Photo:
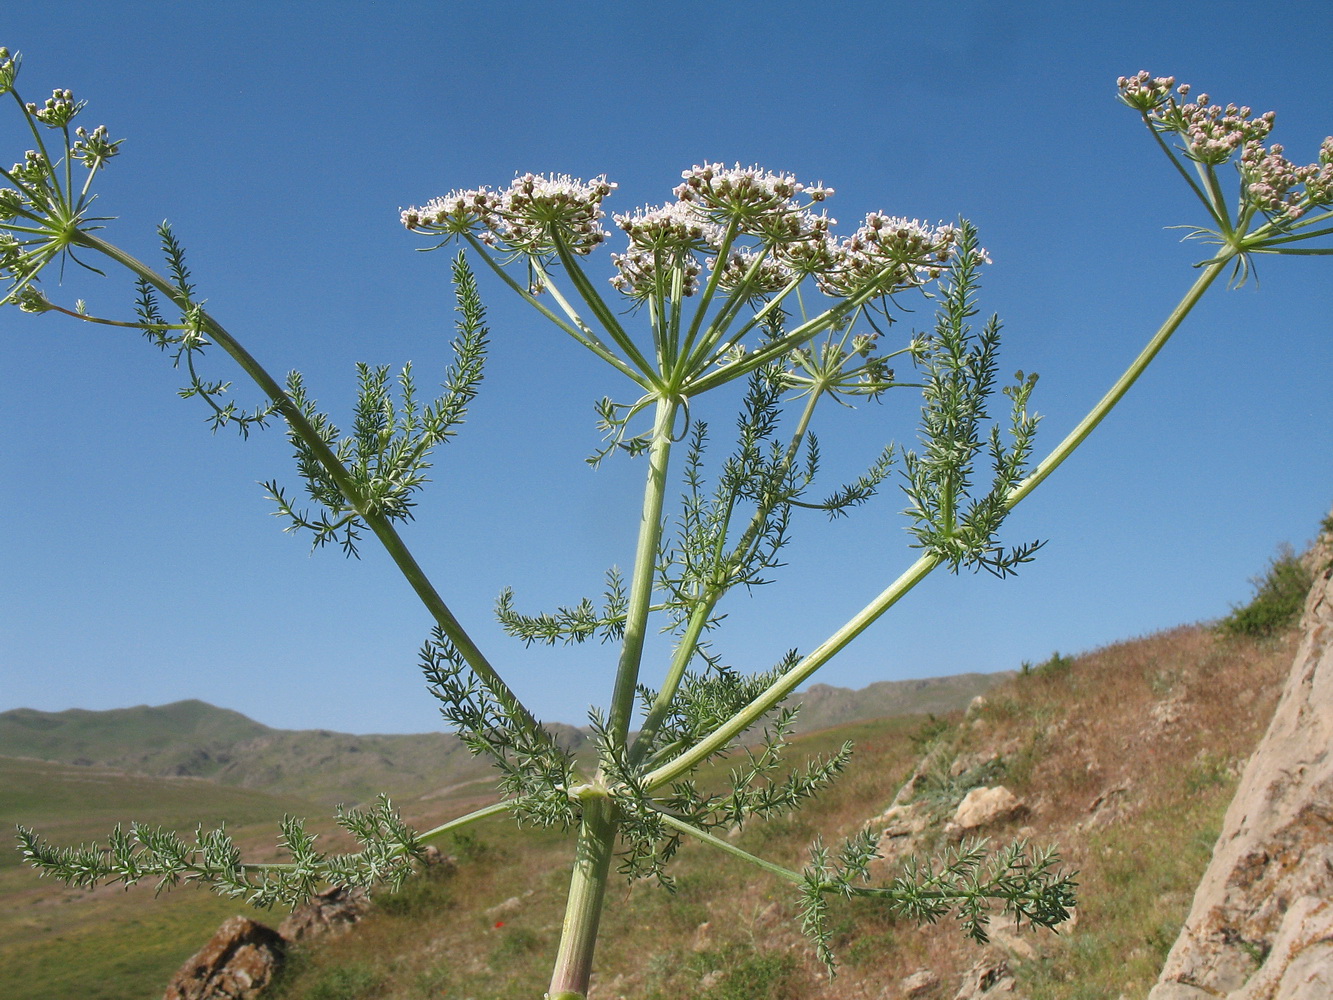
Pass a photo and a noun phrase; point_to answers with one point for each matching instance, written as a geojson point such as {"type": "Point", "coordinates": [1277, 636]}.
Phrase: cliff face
{"type": "Point", "coordinates": [1261, 926]}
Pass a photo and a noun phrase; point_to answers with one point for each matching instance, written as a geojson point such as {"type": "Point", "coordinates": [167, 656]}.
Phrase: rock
{"type": "Point", "coordinates": [511, 905]}
{"type": "Point", "coordinates": [903, 821]}
{"type": "Point", "coordinates": [1005, 935]}
{"type": "Point", "coordinates": [238, 962]}
{"type": "Point", "coordinates": [1300, 964]}
{"type": "Point", "coordinates": [989, 979]}
{"type": "Point", "coordinates": [919, 984]}
{"type": "Point", "coordinates": [703, 937]}
{"type": "Point", "coordinates": [986, 806]}
{"type": "Point", "coordinates": [901, 826]}
{"type": "Point", "coordinates": [1109, 807]}
{"type": "Point", "coordinates": [435, 858]}
{"type": "Point", "coordinates": [1261, 925]}
{"type": "Point", "coordinates": [331, 911]}
{"type": "Point", "coordinates": [1166, 714]}
{"type": "Point", "coordinates": [979, 761]}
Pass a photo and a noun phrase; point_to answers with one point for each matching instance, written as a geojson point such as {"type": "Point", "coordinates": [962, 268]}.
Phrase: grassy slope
{"type": "Point", "coordinates": [109, 944]}
{"type": "Point", "coordinates": [185, 737]}
{"type": "Point", "coordinates": [1168, 718]}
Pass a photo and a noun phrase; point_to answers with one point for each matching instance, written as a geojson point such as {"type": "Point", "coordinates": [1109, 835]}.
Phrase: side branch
{"type": "Point", "coordinates": [291, 413]}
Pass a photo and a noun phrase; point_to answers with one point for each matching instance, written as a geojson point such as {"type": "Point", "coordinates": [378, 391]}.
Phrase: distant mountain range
{"type": "Point", "coordinates": [197, 740]}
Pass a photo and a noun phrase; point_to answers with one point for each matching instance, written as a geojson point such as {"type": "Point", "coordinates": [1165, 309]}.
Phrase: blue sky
{"type": "Point", "coordinates": [281, 141]}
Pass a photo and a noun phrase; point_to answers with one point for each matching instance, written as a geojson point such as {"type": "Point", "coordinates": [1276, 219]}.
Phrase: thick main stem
{"type": "Point", "coordinates": [587, 891]}
{"type": "Point", "coordinates": [645, 569]}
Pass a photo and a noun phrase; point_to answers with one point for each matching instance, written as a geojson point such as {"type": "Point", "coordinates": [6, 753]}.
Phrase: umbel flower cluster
{"type": "Point", "coordinates": [758, 228]}
{"type": "Point", "coordinates": [1211, 134]}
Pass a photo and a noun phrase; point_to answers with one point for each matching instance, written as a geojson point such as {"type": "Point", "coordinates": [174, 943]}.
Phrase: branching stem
{"type": "Point", "coordinates": [922, 568]}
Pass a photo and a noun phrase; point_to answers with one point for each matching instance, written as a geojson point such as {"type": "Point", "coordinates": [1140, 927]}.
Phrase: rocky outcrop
{"type": "Point", "coordinates": [236, 964]}
{"type": "Point", "coordinates": [1261, 926]}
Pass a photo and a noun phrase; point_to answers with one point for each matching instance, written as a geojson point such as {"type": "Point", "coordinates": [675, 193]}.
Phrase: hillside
{"type": "Point", "coordinates": [1124, 757]}
{"type": "Point", "coordinates": [195, 739]}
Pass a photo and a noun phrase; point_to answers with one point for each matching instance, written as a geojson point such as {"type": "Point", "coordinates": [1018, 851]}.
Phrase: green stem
{"type": "Point", "coordinates": [689, 642]}
{"type": "Point", "coordinates": [583, 908]}
{"type": "Point", "coordinates": [1095, 416]}
{"type": "Point", "coordinates": [154, 327]}
{"type": "Point", "coordinates": [495, 809]}
{"type": "Point", "coordinates": [296, 420]}
{"type": "Point", "coordinates": [710, 287]}
{"type": "Point", "coordinates": [708, 601]}
{"type": "Point", "coordinates": [730, 848]}
{"type": "Point", "coordinates": [716, 340]}
{"type": "Point", "coordinates": [600, 309]}
{"type": "Point", "coordinates": [584, 336]}
{"type": "Point", "coordinates": [645, 569]}
{"type": "Point", "coordinates": [792, 679]}
{"type": "Point", "coordinates": [803, 333]}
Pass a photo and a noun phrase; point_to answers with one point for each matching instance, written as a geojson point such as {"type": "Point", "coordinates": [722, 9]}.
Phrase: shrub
{"type": "Point", "coordinates": [1278, 598]}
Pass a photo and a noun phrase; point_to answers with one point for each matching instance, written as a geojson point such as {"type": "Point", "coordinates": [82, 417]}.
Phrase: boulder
{"type": "Point", "coordinates": [987, 806]}
{"type": "Point", "coordinates": [1261, 925]}
{"type": "Point", "coordinates": [919, 984]}
{"type": "Point", "coordinates": [236, 964]}
{"type": "Point", "coordinates": [331, 911]}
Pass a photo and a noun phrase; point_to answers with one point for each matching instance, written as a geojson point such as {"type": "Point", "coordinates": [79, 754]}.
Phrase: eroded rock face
{"type": "Point", "coordinates": [1261, 927]}
{"type": "Point", "coordinates": [236, 964]}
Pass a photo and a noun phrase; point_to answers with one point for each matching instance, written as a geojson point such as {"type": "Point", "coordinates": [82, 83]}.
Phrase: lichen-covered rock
{"type": "Point", "coordinates": [1261, 926]}
{"type": "Point", "coordinates": [236, 964]}
{"type": "Point", "coordinates": [331, 911]}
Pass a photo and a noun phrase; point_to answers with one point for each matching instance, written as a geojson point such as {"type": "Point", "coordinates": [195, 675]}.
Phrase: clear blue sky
{"type": "Point", "coordinates": [139, 561]}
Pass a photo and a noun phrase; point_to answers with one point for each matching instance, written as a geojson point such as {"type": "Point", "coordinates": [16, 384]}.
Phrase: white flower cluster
{"type": "Point", "coordinates": [752, 196]}
{"type": "Point", "coordinates": [535, 212]}
{"type": "Point", "coordinates": [670, 227]}
{"type": "Point", "coordinates": [9, 67]}
{"type": "Point", "coordinates": [455, 213]}
{"type": "Point", "coordinates": [751, 270]}
{"type": "Point", "coordinates": [1145, 91]}
{"type": "Point", "coordinates": [757, 226]}
{"type": "Point", "coordinates": [889, 253]}
{"type": "Point", "coordinates": [1212, 134]}
{"type": "Point", "coordinates": [59, 109]}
